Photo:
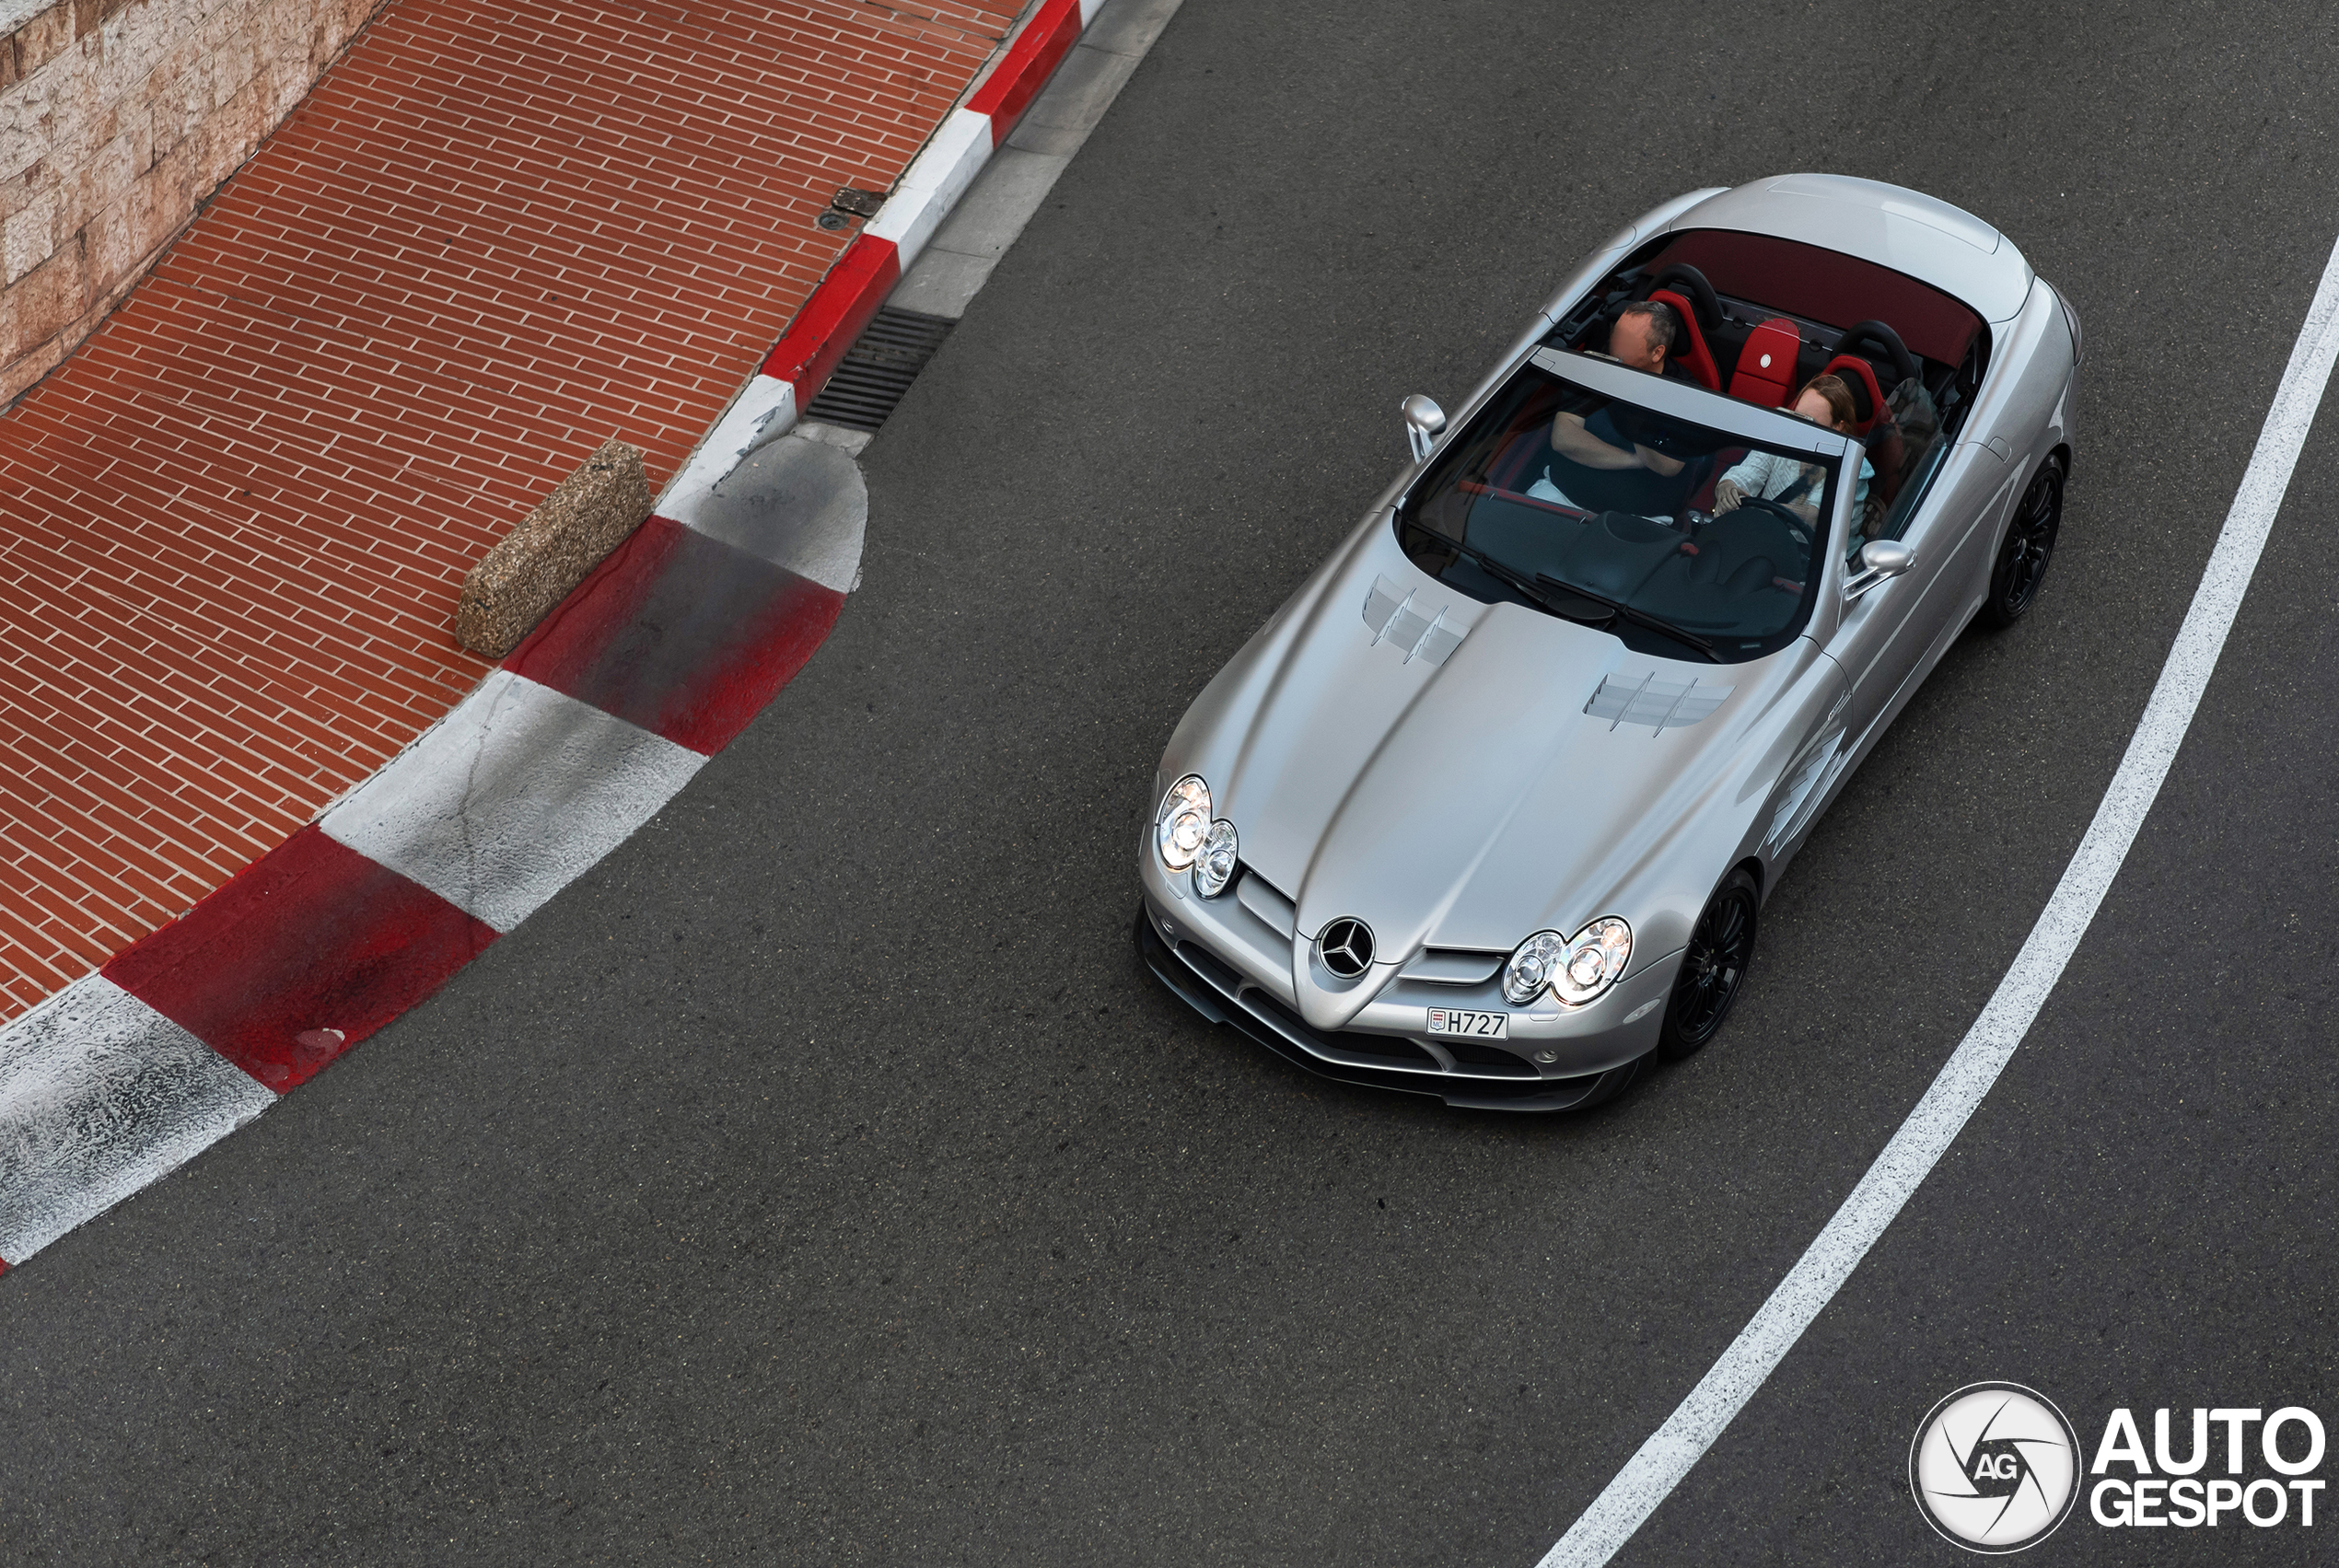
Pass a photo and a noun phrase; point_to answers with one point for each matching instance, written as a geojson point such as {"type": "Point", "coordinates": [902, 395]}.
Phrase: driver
{"type": "Point", "coordinates": [1771, 476]}
{"type": "Point", "coordinates": [1611, 461]}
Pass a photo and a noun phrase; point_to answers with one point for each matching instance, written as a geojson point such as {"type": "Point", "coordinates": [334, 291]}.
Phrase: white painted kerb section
{"type": "Point", "coordinates": [1668, 1456]}
{"type": "Point", "coordinates": [763, 412]}
{"type": "Point", "coordinates": [100, 1095]}
{"type": "Point", "coordinates": [799, 503]}
{"type": "Point", "coordinates": [515, 796]}
{"type": "Point", "coordinates": [934, 181]}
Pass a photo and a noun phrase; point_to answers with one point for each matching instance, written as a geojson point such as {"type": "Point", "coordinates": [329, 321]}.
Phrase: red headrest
{"type": "Point", "coordinates": [1694, 357]}
{"type": "Point", "coordinates": [1867, 398]}
{"type": "Point", "coordinates": [1766, 364]}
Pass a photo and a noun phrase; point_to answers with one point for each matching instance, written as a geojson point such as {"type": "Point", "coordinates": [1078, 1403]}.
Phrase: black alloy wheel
{"type": "Point", "coordinates": [2030, 545]}
{"type": "Point", "coordinates": [1713, 969]}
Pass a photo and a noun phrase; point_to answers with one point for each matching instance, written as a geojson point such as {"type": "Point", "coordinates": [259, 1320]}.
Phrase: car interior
{"type": "Point", "coordinates": [1760, 317]}
{"type": "Point", "coordinates": [1734, 584]}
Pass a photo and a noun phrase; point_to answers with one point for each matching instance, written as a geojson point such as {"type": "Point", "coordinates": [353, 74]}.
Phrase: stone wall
{"type": "Point", "coordinates": [118, 119]}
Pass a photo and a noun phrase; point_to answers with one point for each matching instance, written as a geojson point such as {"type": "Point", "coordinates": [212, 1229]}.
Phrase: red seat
{"type": "Point", "coordinates": [1695, 358]}
{"type": "Point", "coordinates": [1868, 396]}
{"type": "Point", "coordinates": [1766, 364]}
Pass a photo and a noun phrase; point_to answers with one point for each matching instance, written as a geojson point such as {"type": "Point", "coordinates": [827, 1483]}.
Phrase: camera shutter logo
{"type": "Point", "coordinates": [1995, 1468]}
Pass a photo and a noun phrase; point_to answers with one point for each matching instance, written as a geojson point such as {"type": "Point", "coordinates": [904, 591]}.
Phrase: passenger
{"type": "Point", "coordinates": [1643, 336]}
{"type": "Point", "coordinates": [1608, 462]}
{"type": "Point", "coordinates": [1767, 476]}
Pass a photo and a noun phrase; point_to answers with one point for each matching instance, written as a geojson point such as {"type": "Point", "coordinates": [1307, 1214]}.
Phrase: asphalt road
{"type": "Point", "coordinates": [821, 1180]}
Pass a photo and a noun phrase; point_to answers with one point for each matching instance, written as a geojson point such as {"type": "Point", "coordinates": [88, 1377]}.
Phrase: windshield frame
{"type": "Point", "coordinates": [1696, 404]}
{"type": "Point", "coordinates": [1683, 400]}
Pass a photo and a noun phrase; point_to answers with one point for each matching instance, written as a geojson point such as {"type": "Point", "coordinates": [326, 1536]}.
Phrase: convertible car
{"type": "Point", "coordinates": [1488, 809]}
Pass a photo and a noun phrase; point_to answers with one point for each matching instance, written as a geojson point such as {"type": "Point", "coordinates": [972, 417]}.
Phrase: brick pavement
{"type": "Point", "coordinates": [236, 522]}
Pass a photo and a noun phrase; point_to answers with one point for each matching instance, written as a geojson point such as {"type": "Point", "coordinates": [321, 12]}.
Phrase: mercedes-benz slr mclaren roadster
{"type": "Point", "coordinates": [1489, 808]}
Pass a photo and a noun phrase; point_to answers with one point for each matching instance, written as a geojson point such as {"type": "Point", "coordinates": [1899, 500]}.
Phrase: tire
{"type": "Point", "coordinates": [1721, 946]}
{"type": "Point", "coordinates": [2029, 547]}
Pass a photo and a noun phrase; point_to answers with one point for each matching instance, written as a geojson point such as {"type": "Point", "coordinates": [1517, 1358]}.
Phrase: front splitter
{"type": "Point", "coordinates": [1284, 1038]}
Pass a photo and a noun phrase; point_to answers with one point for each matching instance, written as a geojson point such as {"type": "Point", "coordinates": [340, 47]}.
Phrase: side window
{"type": "Point", "coordinates": [1906, 450]}
{"type": "Point", "coordinates": [1924, 435]}
{"type": "Point", "coordinates": [1896, 516]}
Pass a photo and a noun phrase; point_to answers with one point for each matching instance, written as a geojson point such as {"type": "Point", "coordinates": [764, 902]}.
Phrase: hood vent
{"type": "Point", "coordinates": [1262, 898]}
{"type": "Point", "coordinates": [1394, 618]}
{"type": "Point", "coordinates": [1661, 705]}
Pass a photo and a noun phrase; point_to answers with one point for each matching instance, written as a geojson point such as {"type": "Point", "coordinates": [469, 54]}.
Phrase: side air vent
{"type": "Point", "coordinates": [1660, 705]}
{"type": "Point", "coordinates": [1813, 772]}
{"type": "Point", "coordinates": [1396, 619]}
{"type": "Point", "coordinates": [878, 369]}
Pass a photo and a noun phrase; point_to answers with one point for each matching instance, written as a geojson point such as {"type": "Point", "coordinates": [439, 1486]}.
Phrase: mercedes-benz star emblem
{"type": "Point", "coordinates": [1345, 948]}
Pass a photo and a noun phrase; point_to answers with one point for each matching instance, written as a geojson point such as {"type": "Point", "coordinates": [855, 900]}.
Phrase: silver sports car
{"type": "Point", "coordinates": [1488, 809]}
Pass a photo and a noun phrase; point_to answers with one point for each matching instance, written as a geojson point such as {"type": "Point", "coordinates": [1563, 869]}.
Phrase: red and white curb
{"type": "Point", "coordinates": [653, 664]}
{"type": "Point", "coordinates": [802, 361]}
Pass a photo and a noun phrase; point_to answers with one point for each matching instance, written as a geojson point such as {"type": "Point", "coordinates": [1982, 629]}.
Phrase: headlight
{"type": "Point", "coordinates": [1596, 958]}
{"type": "Point", "coordinates": [1183, 822]}
{"type": "Point", "coordinates": [1532, 967]}
{"type": "Point", "coordinates": [1575, 970]}
{"type": "Point", "coordinates": [1215, 866]}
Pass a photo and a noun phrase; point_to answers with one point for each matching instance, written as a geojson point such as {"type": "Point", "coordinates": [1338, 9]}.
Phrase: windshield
{"type": "Point", "coordinates": [1601, 511]}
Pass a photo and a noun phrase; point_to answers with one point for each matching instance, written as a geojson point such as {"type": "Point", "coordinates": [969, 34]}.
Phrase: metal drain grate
{"type": "Point", "coordinates": [879, 368]}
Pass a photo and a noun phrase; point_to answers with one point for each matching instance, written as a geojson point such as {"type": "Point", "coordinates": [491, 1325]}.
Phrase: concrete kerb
{"type": "Point", "coordinates": [1052, 83]}
{"type": "Point", "coordinates": [100, 1095]}
{"type": "Point", "coordinates": [514, 795]}
{"type": "Point", "coordinates": [956, 261]}
{"type": "Point", "coordinates": [798, 502]}
{"type": "Point", "coordinates": [522, 787]}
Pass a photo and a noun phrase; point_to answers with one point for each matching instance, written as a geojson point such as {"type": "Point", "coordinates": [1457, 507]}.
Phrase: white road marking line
{"type": "Point", "coordinates": [1694, 1427]}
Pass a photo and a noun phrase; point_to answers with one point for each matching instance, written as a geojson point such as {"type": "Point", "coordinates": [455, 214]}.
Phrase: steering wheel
{"type": "Point", "coordinates": [1796, 522]}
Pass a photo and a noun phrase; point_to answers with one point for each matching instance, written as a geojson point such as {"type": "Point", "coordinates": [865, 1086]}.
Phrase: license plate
{"type": "Point", "coordinates": [1482, 1025]}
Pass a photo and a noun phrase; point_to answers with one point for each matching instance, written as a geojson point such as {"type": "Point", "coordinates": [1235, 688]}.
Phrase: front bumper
{"type": "Point", "coordinates": [1224, 996]}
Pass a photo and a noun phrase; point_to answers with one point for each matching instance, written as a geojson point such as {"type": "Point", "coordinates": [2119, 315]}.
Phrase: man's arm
{"type": "Point", "coordinates": [1578, 444]}
{"type": "Point", "coordinates": [1655, 461]}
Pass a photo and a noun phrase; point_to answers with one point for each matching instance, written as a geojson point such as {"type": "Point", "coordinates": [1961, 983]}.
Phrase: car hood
{"type": "Point", "coordinates": [1462, 804]}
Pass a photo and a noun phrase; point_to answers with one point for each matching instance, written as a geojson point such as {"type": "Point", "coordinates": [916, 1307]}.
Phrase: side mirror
{"type": "Point", "coordinates": [1881, 560]}
{"type": "Point", "coordinates": [1424, 422]}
